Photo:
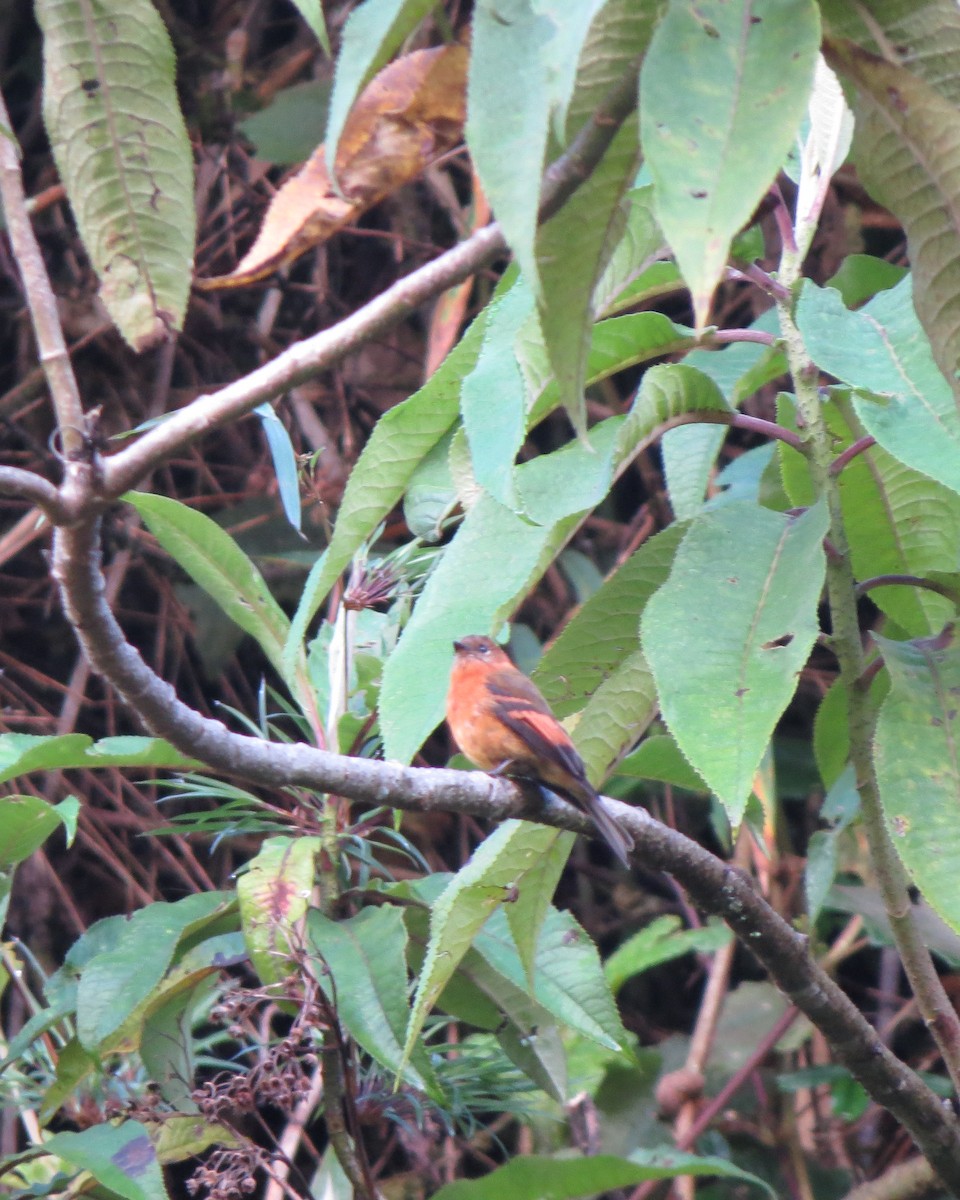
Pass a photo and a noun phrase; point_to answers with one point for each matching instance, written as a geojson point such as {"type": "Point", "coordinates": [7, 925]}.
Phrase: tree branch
{"type": "Point", "coordinates": [54, 357]}
{"type": "Point", "coordinates": [716, 886]}
{"type": "Point", "coordinates": [36, 489]}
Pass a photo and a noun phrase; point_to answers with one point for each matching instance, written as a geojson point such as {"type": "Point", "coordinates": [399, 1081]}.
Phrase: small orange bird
{"type": "Point", "coordinates": [501, 722]}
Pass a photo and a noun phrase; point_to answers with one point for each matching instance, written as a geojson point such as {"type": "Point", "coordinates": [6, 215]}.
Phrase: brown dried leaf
{"type": "Point", "coordinates": [409, 115]}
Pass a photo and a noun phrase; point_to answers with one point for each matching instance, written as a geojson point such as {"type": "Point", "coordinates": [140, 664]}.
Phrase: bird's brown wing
{"type": "Point", "coordinates": [523, 710]}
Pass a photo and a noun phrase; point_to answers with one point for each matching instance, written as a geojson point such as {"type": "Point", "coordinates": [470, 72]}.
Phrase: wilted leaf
{"type": "Point", "coordinates": [407, 117]}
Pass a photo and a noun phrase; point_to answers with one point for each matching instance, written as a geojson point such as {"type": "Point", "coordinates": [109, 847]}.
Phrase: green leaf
{"type": "Point", "coordinates": [926, 34]}
{"type": "Point", "coordinates": [497, 867]}
{"type": "Point", "coordinates": [284, 463]}
{"type": "Point", "coordinates": [25, 824]}
{"type": "Point", "coordinates": [821, 870]}
{"type": "Point", "coordinates": [728, 634]}
{"type": "Point", "coordinates": [520, 61]}
{"type": "Point", "coordinates": [616, 715]}
{"type": "Point", "coordinates": [861, 276]}
{"type": "Point", "coordinates": [568, 976]}
{"type": "Point", "coordinates": [116, 976]}
{"type": "Point", "coordinates": [494, 396]}
{"type": "Point", "coordinates": [119, 1157]}
{"type": "Point", "coordinates": [23, 753]}
{"type": "Point", "coordinates": [312, 13]}
{"type": "Point", "coordinates": [532, 1177]}
{"type": "Point", "coordinates": [659, 757]}
{"type": "Point", "coordinates": [572, 250]}
{"type": "Point", "coordinates": [287, 131]}
{"type": "Point", "coordinates": [918, 772]}
{"type": "Point", "coordinates": [689, 458]}
{"type": "Point", "coordinates": [578, 476]}
{"type": "Point", "coordinates": [121, 147]}
{"type": "Point", "coordinates": [603, 632]}
{"type": "Point", "coordinates": [882, 348]}
{"type": "Point", "coordinates": [167, 1050]}
{"type": "Point", "coordinates": [907, 150]}
{"type": "Point", "coordinates": [373, 33]}
{"type": "Point", "coordinates": [363, 969]}
{"type": "Point", "coordinates": [897, 521]}
{"type": "Point", "coordinates": [529, 903]}
{"type": "Point", "coordinates": [431, 493]}
{"type": "Point", "coordinates": [714, 145]}
{"type": "Point", "coordinates": [661, 941]}
{"type": "Point", "coordinates": [215, 562]}
{"type": "Point", "coordinates": [274, 893]}
{"type": "Point", "coordinates": [399, 442]}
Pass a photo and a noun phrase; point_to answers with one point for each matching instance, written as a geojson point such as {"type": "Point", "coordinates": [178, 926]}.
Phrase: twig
{"type": "Point", "coordinates": [851, 453]}
{"type": "Point", "coordinates": [931, 585]}
{"type": "Point", "coordinates": [54, 357]}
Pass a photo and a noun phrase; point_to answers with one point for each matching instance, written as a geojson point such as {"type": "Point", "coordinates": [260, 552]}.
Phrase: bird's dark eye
{"type": "Point", "coordinates": [484, 649]}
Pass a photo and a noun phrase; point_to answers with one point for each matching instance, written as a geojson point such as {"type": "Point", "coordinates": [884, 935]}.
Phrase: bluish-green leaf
{"type": "Point", "coordinates": [22, 753]}
{"type": "Point", "coordinates": [284, 463]}
{"type": "Point", "coordinates": [119, 1157]}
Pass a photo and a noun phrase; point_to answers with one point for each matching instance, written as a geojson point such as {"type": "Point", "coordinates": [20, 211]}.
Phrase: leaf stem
{"type": "Point", "coordinates": [939, 1014]}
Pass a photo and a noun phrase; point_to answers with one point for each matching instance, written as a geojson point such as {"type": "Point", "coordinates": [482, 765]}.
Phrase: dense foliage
{"type": "Point", "coordinates": [681, 426]}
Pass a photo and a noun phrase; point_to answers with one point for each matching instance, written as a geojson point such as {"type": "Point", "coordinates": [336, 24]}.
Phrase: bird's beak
{"type": "Point", "coordinates": [458, 646]}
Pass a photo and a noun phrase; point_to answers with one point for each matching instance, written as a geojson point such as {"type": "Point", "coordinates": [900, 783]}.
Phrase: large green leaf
{"type": "Point", "coordinates": [363, 968]}
{"type": "Point", "coordinates": [882, 348]}
{"type": "Point", "coordinates": [21, 753]}
{"type": "Point", "coordinates": [918, 769]}
{"type": "Point", "coordinates": [373, 33]}
{"type": "Point", "coordinates": [121, 147]}
{"type": "Point", "coordinates": [728, 633]}
{"type": "Point", "coordinates": [496, 867]}
{"type": "Point", "coordinates": [116, 976]}
{"type": "Point", "coordinates": [907, 149]}
{"type": "Point", "coordinates": [715, 142]}
{"type": "Point", "coordinates": [897, 521]}
{"type": "Point", "coordinates": [616, 715]}
{"type": "Point", "coordinates": [27, 821]}
{"type": "Point", "coordinates": [520, 72]}
{"type": "Point", "coordinates": [604, 631]}
{"type": "Point", "coordinates": [533, 1177]}
{"type": "Point", "coordinates": [494, 396]}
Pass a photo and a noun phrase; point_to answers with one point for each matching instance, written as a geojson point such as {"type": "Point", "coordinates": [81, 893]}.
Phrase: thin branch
{"type": "Point", "coordinates": [325, 349]}
{"type": "Point", "coordinates": [36, 489]}
{"type": "Point", "coordinates": [851, 452]}
{"type": "Point", "coordinates": [735, 420]}
{"type": "Point", "coordinates": [723, 337]}
{"type": "Point", "coordinates": [929, 585]}
{"type": "Point", "coordinates": [716, 886]}
{"type": "Point", "coordinates": [54, 357]}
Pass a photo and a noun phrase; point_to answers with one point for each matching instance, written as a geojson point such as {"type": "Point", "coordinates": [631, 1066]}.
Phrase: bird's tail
{"type": "Point", "coordinates": [612, 832]}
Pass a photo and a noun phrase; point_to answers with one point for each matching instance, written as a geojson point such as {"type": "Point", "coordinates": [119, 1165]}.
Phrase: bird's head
{"type": "Point", "coordinates": [480, 649]}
